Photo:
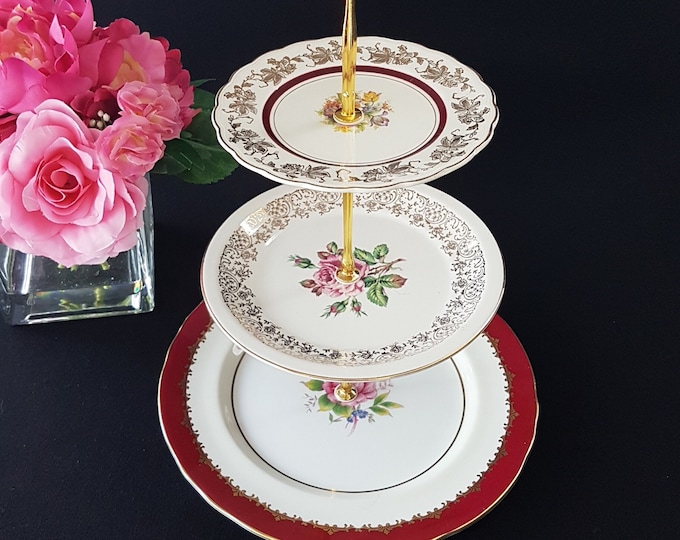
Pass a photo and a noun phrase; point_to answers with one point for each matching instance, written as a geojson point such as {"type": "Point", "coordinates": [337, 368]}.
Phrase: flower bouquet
{"type": "Point", "coordinates": [85, 114]}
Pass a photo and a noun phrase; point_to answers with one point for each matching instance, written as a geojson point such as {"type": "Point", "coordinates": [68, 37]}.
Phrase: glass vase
{"type": "Point", "coordinates": [35, 289]}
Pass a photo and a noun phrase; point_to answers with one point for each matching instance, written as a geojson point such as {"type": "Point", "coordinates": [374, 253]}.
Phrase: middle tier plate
{"type": "Point", "coordinates": [431, 278]}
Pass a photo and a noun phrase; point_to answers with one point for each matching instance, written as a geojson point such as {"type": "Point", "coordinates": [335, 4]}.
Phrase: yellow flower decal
{"type": "Point", "coordinates": [370, 97]}
{"type": "Point", "coordinates": [375, 113]}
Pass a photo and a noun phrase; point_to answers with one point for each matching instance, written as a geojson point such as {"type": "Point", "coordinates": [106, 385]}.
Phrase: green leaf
{"type": "Point", "coordinates": [203, 164]}
{"type": "Point", "coordinates": [325, 404]}
{"type": "Point", "coordinates": [364, 256]}
{"type": "Point", "coordinates": [332, 247]}
{"type": "Point", "coordinates": [380, 398]}
{"type": "Point", "coordinates": [183, 152]}
{"type": "Point", "coordinates": [380, 411]}
{"type": "Point", "coordinates": [369, 280]}
{"type": "Point", "coordinates": [342, 410]}
{"type": "Point", "coordinates": [197, 156]}
{"type": "Point", "coordinates": [314, 385]}
{"type": "Point", "coordinates": [200, 82]}
{"type": "Point", "coordinates": [376, 294]}
{"type": "Point", "coordinates": [391, 405]}
{"type": "Point", "coordinates": [380, 251]}
{"type": "Point", "coordinates": [392, 281]}
{"type": "Point", "coordinates": [168, 165]}
{"type": "Point", "coordinates": [203, 100]}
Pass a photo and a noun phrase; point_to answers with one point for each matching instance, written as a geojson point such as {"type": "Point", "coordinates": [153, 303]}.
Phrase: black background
{"type": "Point", "coordinates": [580, 187]}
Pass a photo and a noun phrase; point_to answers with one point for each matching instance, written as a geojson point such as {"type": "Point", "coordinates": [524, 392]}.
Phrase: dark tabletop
{"type": "Point", "coordinates": [580, 188]}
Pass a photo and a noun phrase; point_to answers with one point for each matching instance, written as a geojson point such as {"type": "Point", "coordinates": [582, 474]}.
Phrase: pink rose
{"type": "Point", "coordinates": [8, 125]}
{"type": "Point", "coordinates": [326, 276]}
{"type": "Point", "coordinates": [364, 390]}
{"type": "Point", "coordinates": [131, 146]}
{"type": "Point", "coordinates": [38, 55]}
{"type": "Point", "coordinates": [90, 103]}
{"type": "Point", "coordinates": [120, 53]}
{"type": "Point", "coordinates": [56, 198]}
{"type": "Point", "coordinates": [25, 35]}
{"type": "Point", "coordinates": [75, 15]}
{"type": "Point", "coordinates": [179, 81]}
{"type": "Point", "coordinates": [155, 103]}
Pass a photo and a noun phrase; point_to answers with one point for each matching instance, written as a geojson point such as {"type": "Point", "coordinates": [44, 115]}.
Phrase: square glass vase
{"type": "Point", "coordinates": [35, 289]}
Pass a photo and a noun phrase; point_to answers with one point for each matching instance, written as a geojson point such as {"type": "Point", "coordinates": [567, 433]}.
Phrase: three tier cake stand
{"type": "Point", "coordinates": [347, 372]}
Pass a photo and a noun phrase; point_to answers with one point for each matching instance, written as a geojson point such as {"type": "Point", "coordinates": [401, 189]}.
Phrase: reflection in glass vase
{"type": "Point", "coordinates": [35, 289]}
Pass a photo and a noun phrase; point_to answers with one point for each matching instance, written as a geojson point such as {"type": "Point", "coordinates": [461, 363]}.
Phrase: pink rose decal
{"type": "Point", "coordinates": [364, 390]}
{"type": "Point", "coordinates": [56, 197]}
{"type": "Point", "coordinates": [371, 401]}
{"type": "Point", "coordinates": [373, 277]}
{"type": "Point", "coordinates": [326, 277]}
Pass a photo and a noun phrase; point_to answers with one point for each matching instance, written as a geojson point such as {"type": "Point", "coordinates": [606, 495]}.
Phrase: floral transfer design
{"type": "Point", "coordinates": [351, 412]}
{"type": "Point", "coordinates": [375, 277]}
{"type": "Point", "coordinates": [375, 112]}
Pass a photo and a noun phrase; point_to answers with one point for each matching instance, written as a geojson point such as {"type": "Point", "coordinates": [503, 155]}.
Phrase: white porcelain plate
{"type": "Point", "coordinates": [424, 114]}
{"type": "Point", "coordinates": [416, 457]}
{"type": "Point", "coordinates": [431, 278]}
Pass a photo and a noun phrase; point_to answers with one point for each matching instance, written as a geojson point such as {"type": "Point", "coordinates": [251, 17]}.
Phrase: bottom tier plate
{"type": "Point", "coordinates": [421, 456]}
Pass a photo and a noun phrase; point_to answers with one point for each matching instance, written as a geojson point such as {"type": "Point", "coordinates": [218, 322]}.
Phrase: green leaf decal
{"type": "Point", "coordinates": [380, 411]}
{"type": "Point", "coordinates": [391, 405]}
{"type": "Point", "coordinates": [380, 251]}
{"type": "Point", "coordinates": [325, 404]}
{"type": "Point", "coordinates": [332, 247]}
{"type": "Point", "coordinates": [342, 410]}
{"type": "Point", "coordinates": [314, 385]}
{"type": "Point", "coordinates": [392, 281]}
{"type": "Point", "coordinates": [364, 256]}
{"type": "Point", "coordinates": [301, 262]}
{"type": "Point", "coordinates": [380, 398]}
{"type": "Point", "coordinates": [376, 294]}
{"type": "Point", "coordinates": [369, 280]}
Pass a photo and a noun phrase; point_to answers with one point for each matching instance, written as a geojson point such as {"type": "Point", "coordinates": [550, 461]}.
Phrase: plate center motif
{"type": "Point", "coordinates": [297, 119]}
{"type": "Point", "coordinates": [297, 432]}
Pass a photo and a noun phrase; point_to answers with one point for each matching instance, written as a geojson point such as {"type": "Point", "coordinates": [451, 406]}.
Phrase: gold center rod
{"type": "Point", "coordinates": [349, 63]}
{"type": "Point", "coordinates": [346, 273]}
{"type": "Point", "coordinates": [348, 115]}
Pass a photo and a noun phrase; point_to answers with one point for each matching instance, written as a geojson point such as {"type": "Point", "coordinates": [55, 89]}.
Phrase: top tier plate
{"type": "Point", "coordinates": [424, 115]}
